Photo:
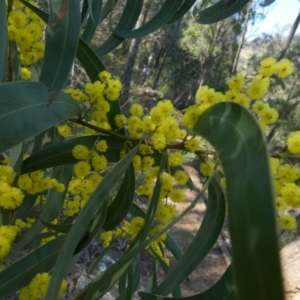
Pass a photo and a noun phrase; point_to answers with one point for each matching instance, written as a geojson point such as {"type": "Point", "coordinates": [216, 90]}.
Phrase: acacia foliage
{"type": "Point", "coordinates": [71, 189]}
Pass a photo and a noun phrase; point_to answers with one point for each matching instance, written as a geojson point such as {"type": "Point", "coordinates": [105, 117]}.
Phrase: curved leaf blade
{"type": "Point", "coordinates": [3, 42]}
{"type": "Point", "coordinates": [235, 134]}
{"type": "Point", "coordinates": [95, 8]}
{"type": "Point", "coordinates": [185, 7]}
{"type": "Point", "coordinates": [62, 35]}
{"type": "Point", "coordinates": [94, 203]}
{"type": "Point", "coordinates": [204, 240]}
{"type": "Point", "coordinates": [89, 61]}
{"type": "Point", "coordinates": [120, 206]}
{"type": "Point", "coordinates": [127, 21]}
{"type": "Point", "coordinates": [166, 12]}
{"type": "Point", "coordinates": [23, 102]}
{"type": "Point", "coordinates": [61, 153]}
{"type": "Point", "coordinates": [222, 290]}
{"type": "Point", "coordinates": [219, 11]}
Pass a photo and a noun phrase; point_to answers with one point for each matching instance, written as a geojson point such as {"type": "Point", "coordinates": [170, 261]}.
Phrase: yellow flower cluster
{"type": "Point", "coordinates": [287, 191]}
{"type": "Point", "coordinates": [7, 236]}
{"type": "Point", "coordinates": [39, 286]}
{"type": "Point", "coordinates": [293, 142]}
{"type": "Point", "coordinates": [130, 230]}
{"type": "Point", "coordinates": [26, 29]}
{"type": "Point", "coordinates": [35, 182]}
{"type": "Point", "coordinates": [10, 197]}
{"type": "Point", "coordinates": [97, 96]}
{"type": "Point", "coordinates": [257, 89]}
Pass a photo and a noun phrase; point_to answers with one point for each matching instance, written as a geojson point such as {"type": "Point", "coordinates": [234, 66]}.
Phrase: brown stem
{"type": "Point", "coordinates": [177, 146]}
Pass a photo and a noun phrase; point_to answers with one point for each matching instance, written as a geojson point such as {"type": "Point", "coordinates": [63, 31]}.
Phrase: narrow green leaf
{"type": "Point", "coordinates": [235, 134]}
{"type": "Point", "coordinates": [63, 228]}
{"type": "Point", "coordinates": [95, 8]}
{"type": "Point", "coordinates": [96, 226]}
{"type": "Point", "coordinates": [20, 273]}
{"type": "Point", "coordinates": [222, 290]}
{"type": "Point", "coordinates": [3, 42]}
{"type": "Point", "coordinates": [129, 290]}
{"type": "Point", "coordinates": [122, 283]}
{"type": "Point", "coordinates": [43, 15]}
{"type": "Point", "coordinates": [154, 274]}
{"type": "Point", "coordinates": [22, 102]}
{"type": "Point", "coordinates": [167, 269]}
{"type": "Point", "coordinates": [150, 215]}
{"type": "Point", "coordinates": [23, 210]}
{"type": "Point", "coordinates": [121, 204]}
{"type": "Point", "coordinates": [107, 9]}
{"type": "Point", "coordinates": [166, 12]}
{"type": "Point", "coordinates": [127, 21]}
{"type": "Point", "coordinates": [16, 66]}
{"type": "Point", "coordinates": [16, 159]}
{"type": "Point", "coordinates": [62, 35]}
{"type": "Point", "coordinates": [183, 233]}
{"type": "Point", "coordinates": [89, 61]}
{"type": "Point", "coordinates": [108, 278]}
{"type": "Point", "coordinates": [137, 272]}
{"type": "Point", "coordinates": [136, 211]}
{"type": "Point", "coordinates": [84, 10]}
{"type": "Point", "coordinates": [184, 8]}
{"type": "Point", "coordinates": [61, 153]}
{"type": "Point", "coordinates": [91, 8]}
{"type": "Point", "coordinates": [94, 203]}
{"type": "Point", "coordinates": [219, 11]}
{"type": "Point", "coordinates": [204, 240]}
{"type": "Point", "coordinates": [173, 246]}
{"type": "Point", "coordinates": [99, 258]}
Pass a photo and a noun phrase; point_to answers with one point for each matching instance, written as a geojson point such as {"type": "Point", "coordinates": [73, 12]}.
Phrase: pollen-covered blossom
{"type": "Point", "coordinates": [80, 152]}
{"type": "Point", "coordinates": [120, 120]}
{"type": "Point", "coordinates": [293, 142]}
{"type": "Point", "coordinates": [99, 162]}
{"type": "Point", "coordinates": [287, 173]}
{"type": "Point", "coordinates": [26, 74]}
{"type": "Point", "coordinates": [236, 82]}
{"type": "Point", "coordinates": [38, 287]}
{"type": "Point", "coordinates": [268, 115]}
{"type": "Point", "coordinates": [64, 130]}
{"type": "Point", "coordinates": [82, 169]}
{"type": "Point", "coordinates": [287, 222]}
{"type": "Point", "coordinates": [258, 87]}
{"type": "Point", "coordinates": [284, 68]}
{"type": "Point", "coordinates": [207, 168]}
{"type": "Point", "coordinates": [267, 67]}
{"type": "Point", "coordinates": [281, 205]}
{"type": "Point", "coordinates": [175, 159]}
{"type": "Point", "coordinates": [136, 110]}
{"type": "Point", "coordinates": [177, 195]}
{"type": "Point", "coordinates": [192, 144]}
{"type": "Point", "coordinates": [181, 177]}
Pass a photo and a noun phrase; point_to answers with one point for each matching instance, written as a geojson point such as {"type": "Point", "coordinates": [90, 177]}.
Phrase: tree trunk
{"type": "Point", "coordinates": [171, 44]}
{"type": "Point", "coordinates": [132, 54]}
{"type": "Point", "coordinates": [289, 39]}
{"type": "Point", "coordinates": [241, 44]}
